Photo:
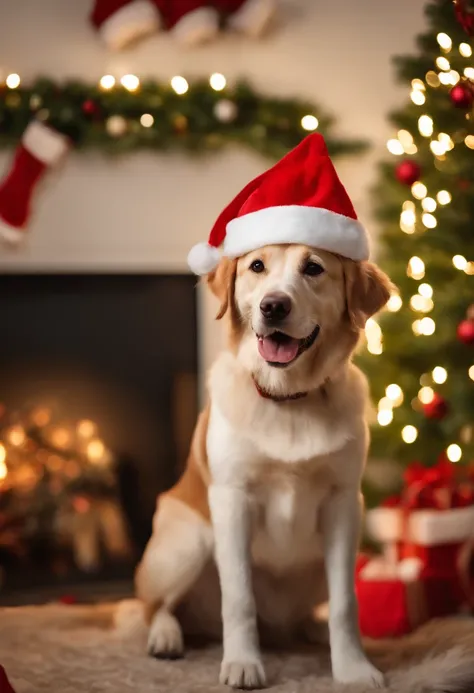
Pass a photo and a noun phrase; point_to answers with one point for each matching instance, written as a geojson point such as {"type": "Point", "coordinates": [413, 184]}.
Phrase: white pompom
{"type": "Point", "coordinates": [409, 569]}
{"type": "Point", "coordinates": [203, 258]}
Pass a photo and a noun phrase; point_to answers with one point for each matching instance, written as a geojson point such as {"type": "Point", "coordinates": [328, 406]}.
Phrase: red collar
{"type": "Point", "coordinates": [278, 398]}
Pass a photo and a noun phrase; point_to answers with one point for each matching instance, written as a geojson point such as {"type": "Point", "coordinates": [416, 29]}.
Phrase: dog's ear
{"type": "Point", "coordinates": [367, 290]}
{"type": "Point", "coordinates": [222, 284]}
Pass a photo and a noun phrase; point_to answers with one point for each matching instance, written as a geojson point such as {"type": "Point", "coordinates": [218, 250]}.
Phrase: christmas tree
{"type": "Point", "coordinates": [420, 352]}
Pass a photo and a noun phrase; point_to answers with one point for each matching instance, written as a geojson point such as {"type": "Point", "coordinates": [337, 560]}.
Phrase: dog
{"type": "Point", "coordinates": [271, 489]}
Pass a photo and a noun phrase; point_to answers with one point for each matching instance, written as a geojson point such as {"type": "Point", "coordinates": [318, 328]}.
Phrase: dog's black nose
{"type": "Point", "coordinates": [275, 307]}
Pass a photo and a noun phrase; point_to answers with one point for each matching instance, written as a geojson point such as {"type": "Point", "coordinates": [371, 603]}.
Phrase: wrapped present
{"type": "Point", "coordinates": [431, 522]}
{"type": "Point", "coordinates": [395, 599]}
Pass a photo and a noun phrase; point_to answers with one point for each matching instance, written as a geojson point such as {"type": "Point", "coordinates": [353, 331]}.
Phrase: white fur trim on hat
{"type": "Point", "coordinates": [313, 226]}
{"type": "Point", "coordinates": [10, 234]}
{"type": "Point", "coordinates": [254, 17]}
{"type": "Point", "coordinates": [137, 19]}
{"type": "Point", "coordinates": [197, 27]}
{"type": "Point", "coordinates": [203, 258]}
{"type": "Point", "coordinates": [44, 143]}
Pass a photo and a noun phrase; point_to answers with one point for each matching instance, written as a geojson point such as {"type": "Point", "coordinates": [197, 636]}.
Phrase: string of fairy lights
{"type": "Point", "coordinates": [225, 110]}
{"type": "Point", "coordinates": [422, 302]}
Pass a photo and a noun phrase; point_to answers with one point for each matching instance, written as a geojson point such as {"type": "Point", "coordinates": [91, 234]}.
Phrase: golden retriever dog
{"type": "Point", "coordinates": [271, 491]}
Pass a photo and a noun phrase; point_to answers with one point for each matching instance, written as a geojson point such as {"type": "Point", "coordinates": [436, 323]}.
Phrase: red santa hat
{"type": "Point", "coordinates": [299, 200]}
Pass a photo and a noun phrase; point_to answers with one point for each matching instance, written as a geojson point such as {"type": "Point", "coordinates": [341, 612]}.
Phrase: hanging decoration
{"type": "Point", "coordinates": [121, 23]}
{"type": "Point", "coordinates": [465, 15]}
{"type": "Point", "coordinates": [46, 119]}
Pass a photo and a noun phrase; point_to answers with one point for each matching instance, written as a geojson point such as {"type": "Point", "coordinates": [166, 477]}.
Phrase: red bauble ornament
{"type": "Point", "coordinates": [465, 331]}
{"type": "Point", "coordinates": [89, 107]}
{"type": "Point", "coordinates": [408, 172]}
{"type": "Point", "coordinates": [462, 95]}
{"type": "Point", "coordinates": [465, 16]}
{"type": "Point", "coordinates": [437, 408]}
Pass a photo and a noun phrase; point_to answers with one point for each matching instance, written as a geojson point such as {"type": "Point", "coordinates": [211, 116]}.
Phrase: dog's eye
{"type": "Point", "coordinates": [257, 266]}
{"type": "Point", "coordinates": [313, 269]}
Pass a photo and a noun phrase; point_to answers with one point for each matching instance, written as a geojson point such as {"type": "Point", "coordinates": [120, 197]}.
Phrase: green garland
{"type": "Point", "coordinates": [154, 116]}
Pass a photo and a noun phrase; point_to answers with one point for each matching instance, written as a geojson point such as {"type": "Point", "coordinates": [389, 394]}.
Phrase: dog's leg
{"type": "Point", "coordinates": [341, 525]}
{"type": "Point", "coordinates": [241, 665]}
{"type": "Point", "coordinates": [177, 552]}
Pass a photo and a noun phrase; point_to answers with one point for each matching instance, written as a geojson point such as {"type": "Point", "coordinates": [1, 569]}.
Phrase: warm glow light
{"type": "Point", "coordinates": [3, 453]}
{"type": "Point", "coordinates": [425, 125]}
{"type": "Point", "coordinates": [416, 268]}
{"type": "Point", "coordinates": [416, 328]}
{"type": "Point", "coordinates": [61, 438]}
{"type": "Point", "coordinates": [440, 375]}
{"type": "Point", "coordinates": [454, 77]}
{"type": "Point", "coordinates": [13, 81]}
{"type": "Point", "coordinates": [407, 221]}
{"type": "Point", "coordinates": [393, 391]}
{"type": "Point", "coordinates": [3, 469]}
{"type": "Point", "coordinates": [426, 394]}
{"type": "Point", "coordinates": [417, 84]}
{"type": "Point", "coordinates": [444, 78]}
{"type": "Point", "coordinates": [460, 262]}
{"type": "Point", "coordinates": [432, 78]}
{"type": "Point", "coordinates": [454, 452]}
{"type": "Point", "coordinates": [425, 290]}
{"type": "Point", "coordinates": [218, 81]}
{"type": "Point", "coordinates": [427, 326]}
{"type": "Point", "coordinates": [429, 204]}
{"type": "Point", "coordinates": [95, 450]}
{"type": "Point", "coordinates": [469, 269]}
{"type": "Point", "coordinates": [147, 120]}
{"type": "Point", "coordinates": [16, 436]}
{"type": "Point", "coordinates": [421, 304]}
{"type": "Point", "coordinates": [443, 63]}
{"type": "Point", "coordinates": [384, 417]}
{"type": "Point", "coordinates": [409, 434]}
{"type": "Point", "coordinates": [394, 303]}
{"type": "Point", "coordinates": [418, 97]}
{"type": "Point", "coordinates": [180, 85]}
{"type": "Point", "coordinates": [130, 82]}
{"type": "Point", "coordinates": [41, 416]}
{"type": "Point", "coordinates": [444, 41]}
{"type": "Point", "coordinates": [309, 123]}
{"type": "Point", "coordinates": [405, 137]}
{"type": "Point", "coordinates": [373, 335]}
{"type": "Point", "coordinates": [465, 50]}
{"type": "Point", "coordinates": [385, 403]}
{"type": "Point", "coordinates": [86, 428]}
{"type": "Point", "coordinates": [395, 147]}
{"type": "Point", "coordinates": [469, 72]}
{"type": "Point", "coordinates": [469, 141]}
{"type": "Point", "coordinates": [428, 220]}
{"type": "Point", "coordinates": [107, 82]}
{"type": "Point", "coordinates": [471, 372]}
{"type": "Point", "coordinates": [419, 190]}
{"type": "Point", "coordinates": [443, 197]}
{"type": "Point", "coordinates": [438, 148]}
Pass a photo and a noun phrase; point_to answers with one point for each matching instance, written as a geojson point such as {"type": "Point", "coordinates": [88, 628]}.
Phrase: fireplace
{"type": "Point", "coordinates": [98, 397]}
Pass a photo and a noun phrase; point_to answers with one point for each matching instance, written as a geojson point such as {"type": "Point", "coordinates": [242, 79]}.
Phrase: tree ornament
{"type": "Point", "coordinates": [116, 126]}
{"type": "Point", "coordinates": [90, 108]}
{"type": "Point", "coordinates": [437, 408]}
{"type": "Point", "coordinates": [180, 123]}
{"type": "Point", "coordinates": [465, 15]}
{"type": "Point", "coordinates": [408, 172]}
{"type": "Point", "coordinates": [225, 111]}
{"type": "Point", "coordinates": [465, 331]}
{"type": "Point", "coordinates": [462, 95]}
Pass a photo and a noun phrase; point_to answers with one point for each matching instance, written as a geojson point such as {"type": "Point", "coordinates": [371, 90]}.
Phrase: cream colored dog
{"type": "Point", "coordinates": [272, 485]}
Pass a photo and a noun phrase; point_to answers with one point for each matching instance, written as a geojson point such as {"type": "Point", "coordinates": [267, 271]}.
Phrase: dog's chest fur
{"type": "Point", "coordinates": [286, 518]}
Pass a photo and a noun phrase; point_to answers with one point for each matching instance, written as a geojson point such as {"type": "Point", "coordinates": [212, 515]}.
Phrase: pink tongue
{"type": "Point", "coordinates": [278, 353]}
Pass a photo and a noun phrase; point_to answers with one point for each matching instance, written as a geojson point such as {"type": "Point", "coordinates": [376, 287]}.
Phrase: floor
{"type": "Point", "coordinates": [76, 649]}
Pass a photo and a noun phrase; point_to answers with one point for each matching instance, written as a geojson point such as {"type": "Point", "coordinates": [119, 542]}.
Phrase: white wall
{"type": "Point", "coordinates": [143, 212]}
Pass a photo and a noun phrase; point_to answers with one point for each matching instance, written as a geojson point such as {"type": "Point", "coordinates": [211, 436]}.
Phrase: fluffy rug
{"type": "Point", "coordinates": [75, 649]}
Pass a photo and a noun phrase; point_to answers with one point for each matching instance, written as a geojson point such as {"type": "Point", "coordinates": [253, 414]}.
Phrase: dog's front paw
{"type": "Point", "coordinates": [247, 674]}
{"type": "Point", "coordinates": [165, 640]}
{"type": "Point", "coordinates": [358, 669]}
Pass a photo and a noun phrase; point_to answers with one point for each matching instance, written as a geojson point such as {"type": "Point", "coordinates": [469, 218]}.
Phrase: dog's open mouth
{"type": "Point", "coordinates": [279, 349]}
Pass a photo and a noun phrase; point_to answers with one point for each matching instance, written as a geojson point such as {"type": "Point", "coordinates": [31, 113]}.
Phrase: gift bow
{"type": "Point", "coordinates": [432, 487]}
